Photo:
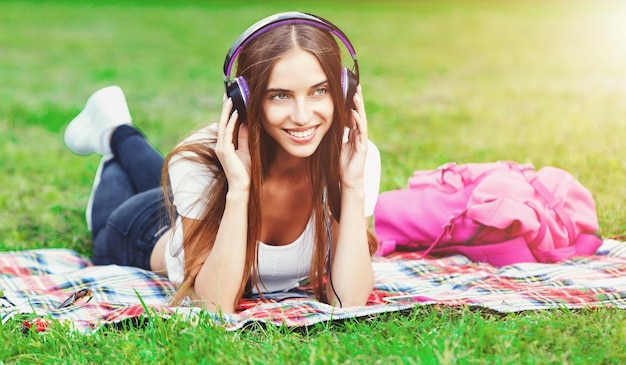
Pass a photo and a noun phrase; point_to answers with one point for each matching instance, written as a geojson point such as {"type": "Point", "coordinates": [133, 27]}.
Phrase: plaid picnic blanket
{"type": "Point", "coordinates": [36, 282]}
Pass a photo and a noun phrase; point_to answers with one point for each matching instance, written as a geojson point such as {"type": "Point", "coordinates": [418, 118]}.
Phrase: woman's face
{"type": "Point", "coordinates": [297, 104]}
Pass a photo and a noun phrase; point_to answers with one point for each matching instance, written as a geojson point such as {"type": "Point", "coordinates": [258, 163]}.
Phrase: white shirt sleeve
{"type": "Point", "coordinates": [190, 179]}
{"type": "Point", "coordinates": [371, 178]}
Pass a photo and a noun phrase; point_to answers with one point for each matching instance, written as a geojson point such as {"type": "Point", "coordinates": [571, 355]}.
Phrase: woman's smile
{"type": "Point", "coordinates": [302, 135]}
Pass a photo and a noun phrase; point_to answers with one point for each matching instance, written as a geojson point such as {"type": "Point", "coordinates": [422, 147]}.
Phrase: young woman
{"type": "Point", "coordinates": [279, 190]}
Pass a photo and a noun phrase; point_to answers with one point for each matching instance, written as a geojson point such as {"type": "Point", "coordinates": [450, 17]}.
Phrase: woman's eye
{"type": "Point", "coordinates": [279, 97]}
{"type": "Point", "coordinates": [320, 91]}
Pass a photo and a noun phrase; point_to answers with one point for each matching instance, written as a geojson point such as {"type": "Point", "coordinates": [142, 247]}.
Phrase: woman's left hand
{"type": "Point", "coordinates": [353, 152]}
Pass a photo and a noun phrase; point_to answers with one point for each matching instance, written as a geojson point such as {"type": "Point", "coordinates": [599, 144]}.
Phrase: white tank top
{"type": "Point", "coordinates": [280, 267]}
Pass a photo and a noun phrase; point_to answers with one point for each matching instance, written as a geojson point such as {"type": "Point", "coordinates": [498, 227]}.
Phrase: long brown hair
{"type": "Point", "coordinates": [255, 63]}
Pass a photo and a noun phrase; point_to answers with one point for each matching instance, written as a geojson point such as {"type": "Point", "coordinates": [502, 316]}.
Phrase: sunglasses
{"type": "Point", "coordinates": [79, 297]}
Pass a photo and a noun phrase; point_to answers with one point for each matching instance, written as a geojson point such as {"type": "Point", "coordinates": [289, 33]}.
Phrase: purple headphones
{"type": "Point", "coordinates": [237, 89]}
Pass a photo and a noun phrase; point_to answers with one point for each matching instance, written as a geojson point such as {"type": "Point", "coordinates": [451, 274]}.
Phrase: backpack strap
{"type": "Point", "coordinates": [553, 202]}
{"type": "Point", "coordinates": [446, 231]}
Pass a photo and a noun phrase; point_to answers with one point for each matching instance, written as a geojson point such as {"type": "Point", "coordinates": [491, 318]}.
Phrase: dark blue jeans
{"type": "Point", "coordinates": [128, 212]}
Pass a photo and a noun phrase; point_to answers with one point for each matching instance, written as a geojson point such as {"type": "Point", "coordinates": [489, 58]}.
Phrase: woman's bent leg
{"type": "Point", "coordinates": [141, 161]}
{"type": "Point", "coordinates": [132, 231]}
{"type": "Point", "coordinates": [133, 167]}
{"type": "Point", "coordinates": [112, 190]}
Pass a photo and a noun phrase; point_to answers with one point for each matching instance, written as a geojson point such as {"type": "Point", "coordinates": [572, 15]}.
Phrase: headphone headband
{"type": "Point", "coordinates": [279, 19]}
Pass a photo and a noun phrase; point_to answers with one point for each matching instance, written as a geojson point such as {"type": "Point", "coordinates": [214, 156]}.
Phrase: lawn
{"type": "Point", "coordinates": [464, 81]}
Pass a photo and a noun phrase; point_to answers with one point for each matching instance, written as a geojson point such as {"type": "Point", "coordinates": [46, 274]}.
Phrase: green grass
{"type": "Point", "coordinates": [473, 81]}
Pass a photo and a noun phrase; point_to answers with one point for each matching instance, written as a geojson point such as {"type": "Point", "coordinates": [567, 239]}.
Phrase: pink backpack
{"type": "Point", "coordinates": [500, 212]}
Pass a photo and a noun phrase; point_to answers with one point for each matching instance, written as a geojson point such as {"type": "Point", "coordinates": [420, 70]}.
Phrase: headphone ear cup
{"type": "Point", "coordinates": [349, 82]}
{"type": "Point", "coordinates": [238, 91]}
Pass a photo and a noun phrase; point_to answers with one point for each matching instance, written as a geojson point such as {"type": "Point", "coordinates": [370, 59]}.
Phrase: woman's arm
{"type": "Point", "coordinates": [221, 275]}
{"type": "Point", "coordinates": [351, 276]}
{"type": "Point", "coordinates": [351, 266]}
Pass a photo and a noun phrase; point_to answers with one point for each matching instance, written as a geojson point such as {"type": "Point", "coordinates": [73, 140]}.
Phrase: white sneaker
{"type": "Point", "coordinates": [96, 182]}
{"type": "Point", "coordinates": [89, 131]}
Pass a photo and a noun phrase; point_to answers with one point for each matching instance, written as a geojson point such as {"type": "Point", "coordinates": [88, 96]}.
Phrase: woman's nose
{"type": "Point", "coordinates": [301, 111]}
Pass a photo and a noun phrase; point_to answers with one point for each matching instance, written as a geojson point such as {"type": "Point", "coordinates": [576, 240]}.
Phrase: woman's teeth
{"type": "Point", "coordinates": [302, 134]}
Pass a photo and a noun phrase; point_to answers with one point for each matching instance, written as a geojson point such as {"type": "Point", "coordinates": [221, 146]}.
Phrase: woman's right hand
{"type": "Point", "coordinates": [235, 162]}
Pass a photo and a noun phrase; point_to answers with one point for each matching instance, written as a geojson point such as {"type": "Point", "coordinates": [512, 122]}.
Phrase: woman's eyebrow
{"type": "Point", "coordinates": [319, 84]}
{"type": "Point", "coordinates": [275, 90]}
{"type": "Point", "coordinates": [278, 89]}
